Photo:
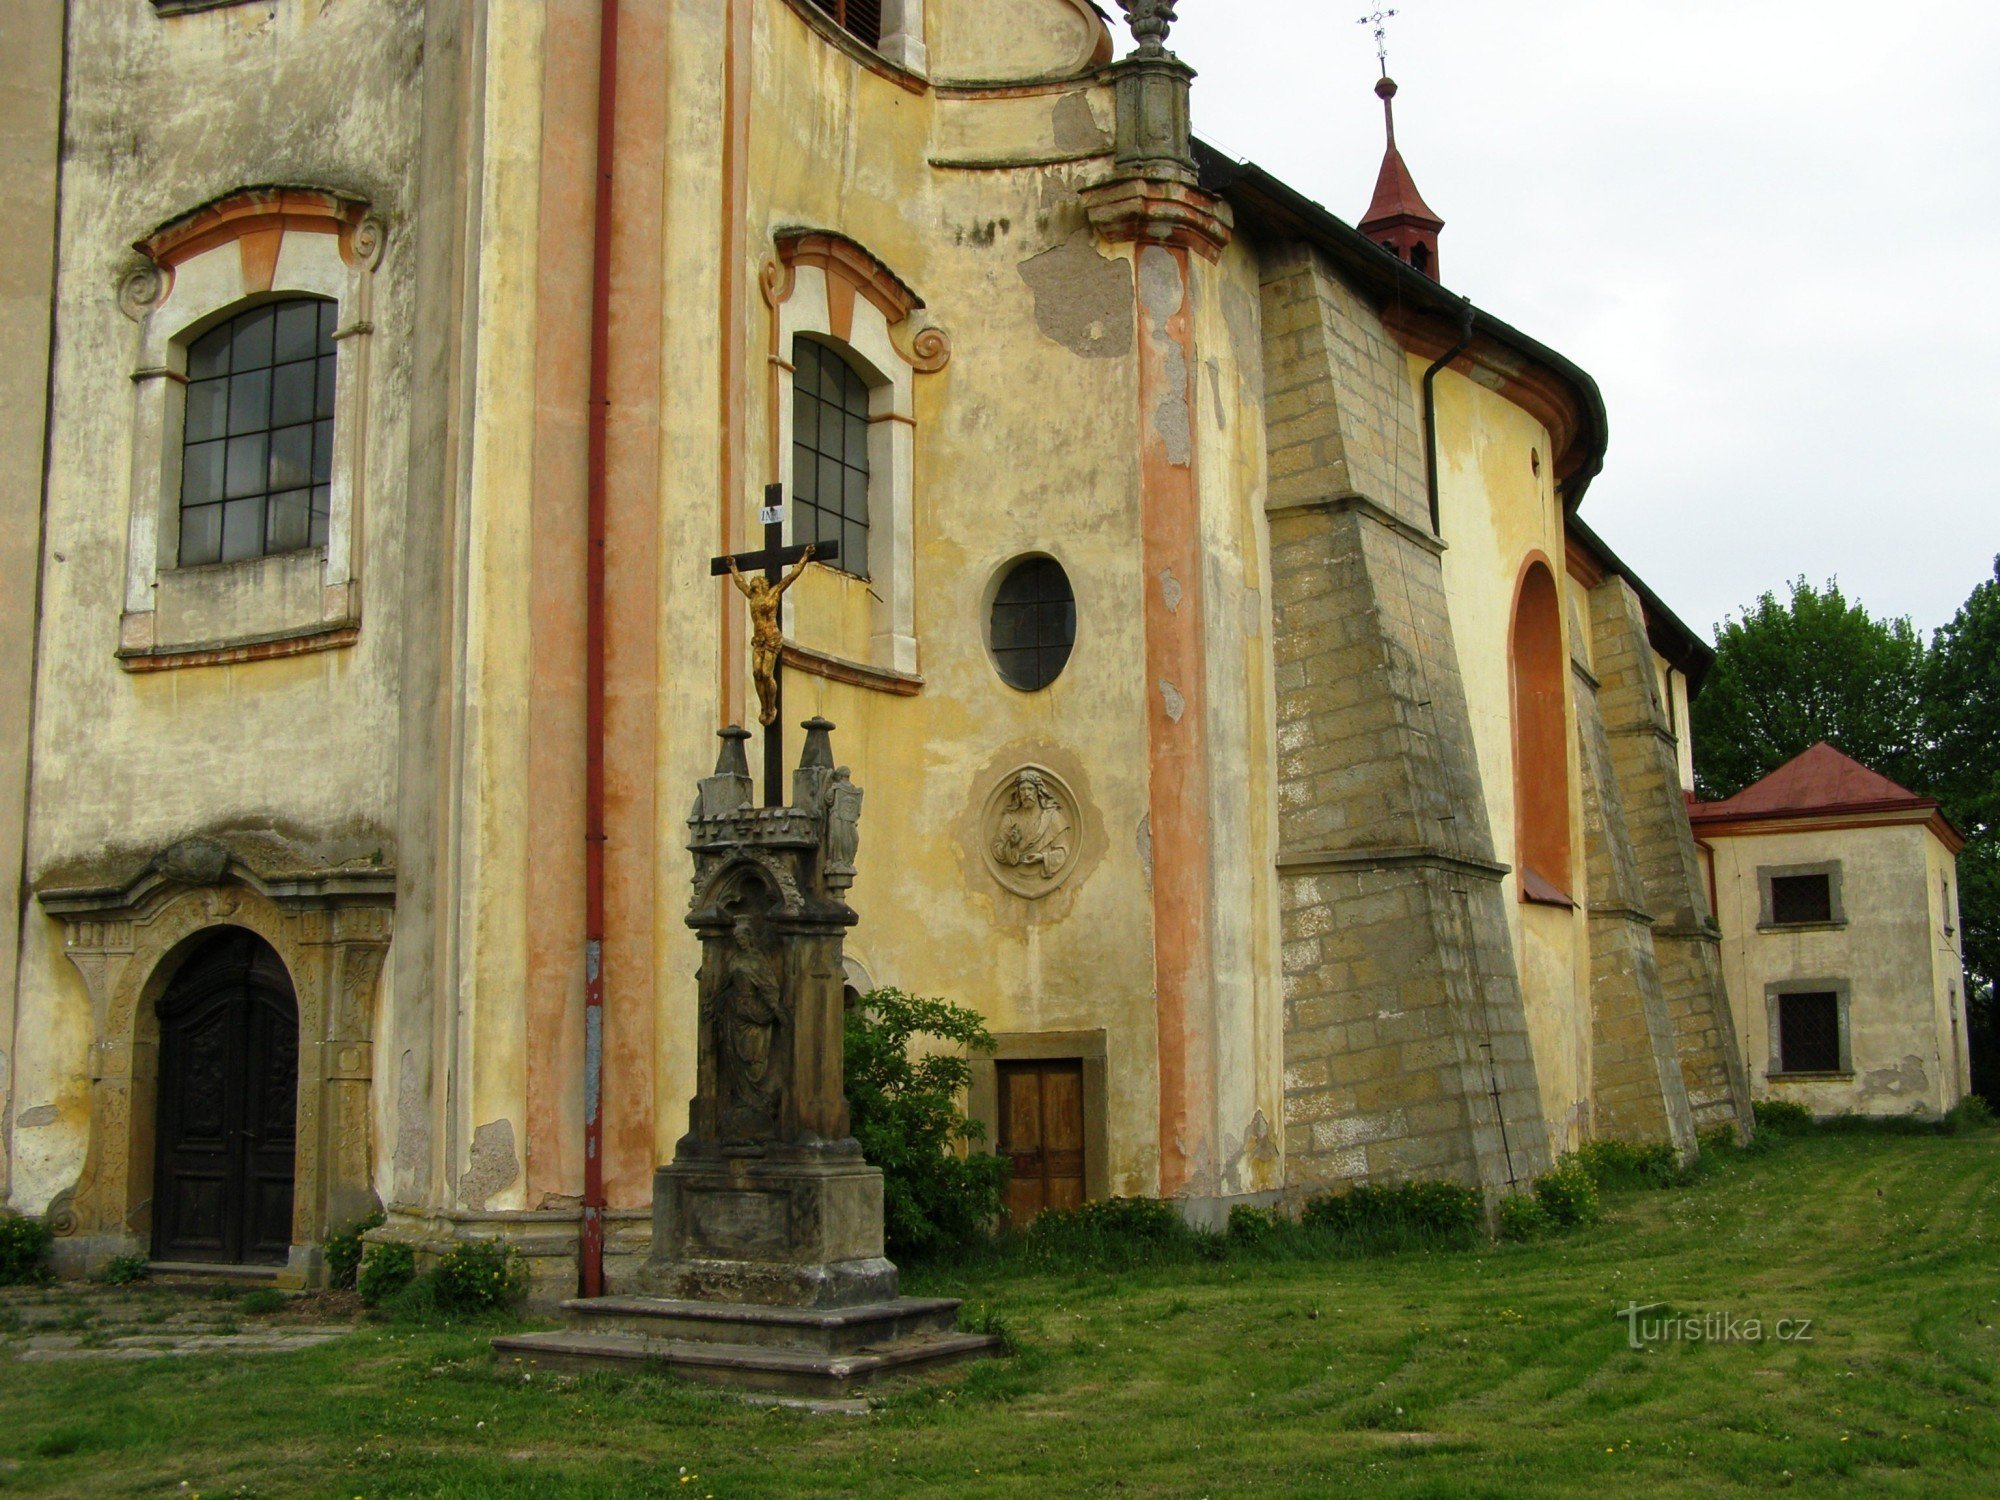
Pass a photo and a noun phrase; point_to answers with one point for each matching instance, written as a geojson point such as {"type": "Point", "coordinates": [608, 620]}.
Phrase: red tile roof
{"type": "Point", "coordinates": [1820, 780]}
{"type": "Point", "coordinates": [1820, 789]}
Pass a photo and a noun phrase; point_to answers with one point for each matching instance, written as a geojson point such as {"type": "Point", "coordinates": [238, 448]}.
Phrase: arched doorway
{"type": "Point", "coordinates": [228, 1105]}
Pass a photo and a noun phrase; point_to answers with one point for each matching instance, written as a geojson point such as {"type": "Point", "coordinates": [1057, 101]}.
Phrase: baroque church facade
{"type": "Point", "coordinates": [1251, 728]}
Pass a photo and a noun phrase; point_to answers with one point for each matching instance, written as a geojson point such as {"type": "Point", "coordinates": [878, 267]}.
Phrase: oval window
{"type": "Point", "coordinates": [1033, 624]}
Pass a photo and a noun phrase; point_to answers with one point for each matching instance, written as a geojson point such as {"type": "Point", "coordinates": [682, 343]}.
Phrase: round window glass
{"type": "Point", "coordinates": [1034, 623]}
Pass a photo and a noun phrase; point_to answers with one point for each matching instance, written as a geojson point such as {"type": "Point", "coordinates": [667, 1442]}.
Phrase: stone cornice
{"type": "Point", "coordinates": [1158, 211]}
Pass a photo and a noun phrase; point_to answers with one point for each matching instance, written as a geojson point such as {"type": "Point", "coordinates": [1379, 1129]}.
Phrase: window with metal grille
{"type": "Point", "coordinates": [1809, 1032]}
{"type": "Point", "coordinates": [861, 19]}
{"type": "Point", "coordinates": [1801, 898]}
{"type": "Point", "coordinates": [257, 443]}
{"type": "Point", "coordinates": [1033, 624]}
{"type": "Point", "coordinates": [830, 453]}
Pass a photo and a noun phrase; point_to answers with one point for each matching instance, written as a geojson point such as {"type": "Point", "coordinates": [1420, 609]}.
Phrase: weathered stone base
{"type": "Point", "coordinates": [1637, 1092]}
{"type": "Point", "coordinates": [546, 1240]}
{"type": "Point", "coordinates": [773, 1232]}
{"type": "Point", "coordinates": [1704, 1030]}
{"type": "Point", "coordinates": [803, 1351]}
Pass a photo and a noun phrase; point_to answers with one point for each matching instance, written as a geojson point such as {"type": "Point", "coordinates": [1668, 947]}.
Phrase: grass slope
{"type": "Point", "coordinates": [1501, 1372]}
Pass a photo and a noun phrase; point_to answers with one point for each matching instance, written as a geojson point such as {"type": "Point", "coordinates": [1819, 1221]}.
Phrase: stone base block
{"type": "Point", "coordinates": [773, 1233]}
{"type": "Point", "coordinates": [801, 1351]}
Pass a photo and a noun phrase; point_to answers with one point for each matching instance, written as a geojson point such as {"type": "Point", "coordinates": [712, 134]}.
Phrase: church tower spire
{"type": "Point", "coordinates": [1398, 219]}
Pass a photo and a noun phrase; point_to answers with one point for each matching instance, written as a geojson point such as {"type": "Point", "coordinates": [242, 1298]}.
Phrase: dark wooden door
{"type": "Point", "coordinates": [228, 1121]}
{"type": "Point", "coordinates": [1041, 1133]}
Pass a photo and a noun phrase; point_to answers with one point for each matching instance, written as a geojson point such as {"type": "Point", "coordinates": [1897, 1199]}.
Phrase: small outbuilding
{"type": "Point", "coordinates": [1837, 894]}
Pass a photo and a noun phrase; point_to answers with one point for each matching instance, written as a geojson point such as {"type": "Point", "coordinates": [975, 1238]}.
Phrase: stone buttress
{"type": "Point", "coordinates": [1406, 1045]}
{"type": "Point", "coordinates": [1686, 940]}
{"type": "Point", "coordinates": [1636, 1087]}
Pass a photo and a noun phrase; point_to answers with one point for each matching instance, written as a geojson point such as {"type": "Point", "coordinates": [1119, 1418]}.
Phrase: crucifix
{"type": "Point", "coordinates": [765, 591]}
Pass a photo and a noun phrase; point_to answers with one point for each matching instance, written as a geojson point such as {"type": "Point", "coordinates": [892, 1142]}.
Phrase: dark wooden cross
{"type": "Point", "coordinates": [772, 558]}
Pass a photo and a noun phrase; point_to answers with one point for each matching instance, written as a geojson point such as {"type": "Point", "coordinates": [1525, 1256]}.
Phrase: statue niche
{"type": "Point", "coordinates": [745, 1025]}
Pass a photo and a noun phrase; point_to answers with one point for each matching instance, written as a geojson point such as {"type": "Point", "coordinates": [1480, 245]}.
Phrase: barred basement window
{"type": "Point", "coordinates": [1033, 625]}
{"type": "Point", "coordinates": [257, 445]}
{"type": "Point", "coordinates": [1797, 899]}
{"type": "Point", "coordinates": [861, 19]}
{"type": "Point", "coordinates": [1809, 1032]}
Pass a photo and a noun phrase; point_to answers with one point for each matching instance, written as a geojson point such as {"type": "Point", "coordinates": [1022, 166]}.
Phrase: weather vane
{"type": "Point", "coordinates": [1379, 20]}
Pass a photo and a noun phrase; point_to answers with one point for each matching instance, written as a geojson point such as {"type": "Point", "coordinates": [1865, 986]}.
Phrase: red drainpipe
{"type": "Point", "coordinates": [591, 1243]}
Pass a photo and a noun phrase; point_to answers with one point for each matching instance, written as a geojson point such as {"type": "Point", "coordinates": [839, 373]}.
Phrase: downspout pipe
{"type": "Point", "coordinates": [590, 1240]}
{"type": "Point", "coordinates": [1465, 316]}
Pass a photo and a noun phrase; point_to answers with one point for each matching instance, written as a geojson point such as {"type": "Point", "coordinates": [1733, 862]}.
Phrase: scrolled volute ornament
{"type": "Point", "coordinates": [141, 289]}
{"type": "Point", "coordinates": [1150, 21]}
{"type": "Point", "coordinates": [368, 240]}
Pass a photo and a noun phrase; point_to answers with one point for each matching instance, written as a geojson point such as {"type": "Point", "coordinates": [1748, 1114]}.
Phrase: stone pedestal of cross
{"type": "Point", "coordinates": [764, 622]}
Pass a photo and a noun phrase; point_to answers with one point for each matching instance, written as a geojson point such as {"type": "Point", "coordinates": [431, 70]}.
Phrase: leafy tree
{"type": "Point", "coordinates": [905, 1114]}
{"type": "Point", "coordinates": [1962, 697]}
{"type": "Point", "coordinates": [1815, 667]}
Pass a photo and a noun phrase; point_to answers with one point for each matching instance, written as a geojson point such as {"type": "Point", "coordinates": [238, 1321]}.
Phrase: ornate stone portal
{"type": "Point", "coordinates": [767, 1263]}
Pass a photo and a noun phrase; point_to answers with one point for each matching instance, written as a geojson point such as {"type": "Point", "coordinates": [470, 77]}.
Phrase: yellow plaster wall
{"type": "Point", "coordinates": [835, 146]}
{"type": "Point", "coordinates": [1886, 953]}
{"type": "Point", "coordinates": [1495, 511]}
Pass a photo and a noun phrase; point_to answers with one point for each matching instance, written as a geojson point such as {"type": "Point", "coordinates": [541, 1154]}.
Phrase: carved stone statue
{"type": "Point", "coordinates": [767, 636]}
{"type": "Point", "coordinates": [746, 1011]}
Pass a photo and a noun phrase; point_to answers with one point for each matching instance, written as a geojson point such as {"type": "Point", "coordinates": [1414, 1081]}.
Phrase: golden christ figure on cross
{"type": "Point", "coordinates": [767, 637]}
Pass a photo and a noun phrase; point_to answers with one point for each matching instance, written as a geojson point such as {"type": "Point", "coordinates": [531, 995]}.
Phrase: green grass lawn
{"type": "Point", "coordinates": [1498, 1372]}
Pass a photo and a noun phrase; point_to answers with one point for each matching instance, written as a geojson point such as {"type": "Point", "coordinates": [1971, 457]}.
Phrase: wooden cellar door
{"type": "Point", "coordinates": [1041, 1133]}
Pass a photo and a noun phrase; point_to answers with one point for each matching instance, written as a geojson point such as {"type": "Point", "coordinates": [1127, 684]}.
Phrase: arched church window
{"type": "Point", "coordinates": [1032, 627]}
{"type": "Point", "coordinates": [861, 19]}
{"type": "Point", "coordinates": [257, 443]}
{"type": "Point", "coordinates": [1541, 741]}
{"type": "Point", "coordinates": [830, 453]}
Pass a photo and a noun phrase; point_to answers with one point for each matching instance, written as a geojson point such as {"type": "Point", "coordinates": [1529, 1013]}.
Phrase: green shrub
{"type": "Point", "coordinates": [1256, 1226]}
{"type": "Point", "coordinates": [479, 1276]}
{"type": "Point", "coordinates": [343, 1251]}
{"type": "Point", "coordinates": [262, 1301]}
{"type": "Point", "coordinates": [1408, 1215]}
{"type": "Point", "coordinates": [1522, 1218]}
{"type": "Point", "coordinates": [24, 1250]}
{"type": "Point", "coordinates": [122, 1270]}
{"type": "Point", "coordinates": [904, 1112]}
{"type": "Point", "coordinates": [385, 1271]}
{"type": "Point", "coordinates": [1782, 1116]}
{"type": "Point", "coordinates": [1615, 1165]}
{"type": "Point", "coordinates": [1116, 1234]}
{"type": "Point", "coordinates": [1568, 1195]}
{"type": "Point", "coordinates": [1970, 1113]}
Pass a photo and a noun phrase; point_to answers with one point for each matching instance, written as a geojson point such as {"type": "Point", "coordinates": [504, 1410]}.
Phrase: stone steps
{"type": "Point", "coordinates": [839, 1330]}
{"type": "Point", "coordinates": [744, 1366]}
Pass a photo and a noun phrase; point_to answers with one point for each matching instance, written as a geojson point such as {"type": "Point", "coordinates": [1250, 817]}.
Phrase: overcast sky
{"type": "Point", "coordinates": [1767, 228]}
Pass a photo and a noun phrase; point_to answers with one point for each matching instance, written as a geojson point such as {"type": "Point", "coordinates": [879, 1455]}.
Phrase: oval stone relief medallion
{"type": "Point", "coordinates": [1032, 831]}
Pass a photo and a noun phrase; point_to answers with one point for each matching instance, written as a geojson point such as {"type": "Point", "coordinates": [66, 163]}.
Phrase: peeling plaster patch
{"type": "Point", "coordinates": [41, 1114]}
{"type": "Point", "coordinates": [493, 1167]}
{"type": "Point", "coordinates": [1083, 300]}
{"type": "Point", "coordinates": [1160, 283]}
{"type": "Point", "coordinates": [413, 1136]}
{"type": "Point", "coordinates": [1910, 1078]}
{"type": "Point", "coordinates": [1145, 840]}
{"type": "Point", "coordinates": [1172, 418]}
{"type": "Point", "coordinates": [1170, 590]}
{"type": "Point", "coordinates": [1076, 128]}
{"type": "Point", "coordinates": [1171, 696]}
{"type": "Point", "coordinates": [1215, 384]}
{"type": "Point", "coordinates": [1253, 613]}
